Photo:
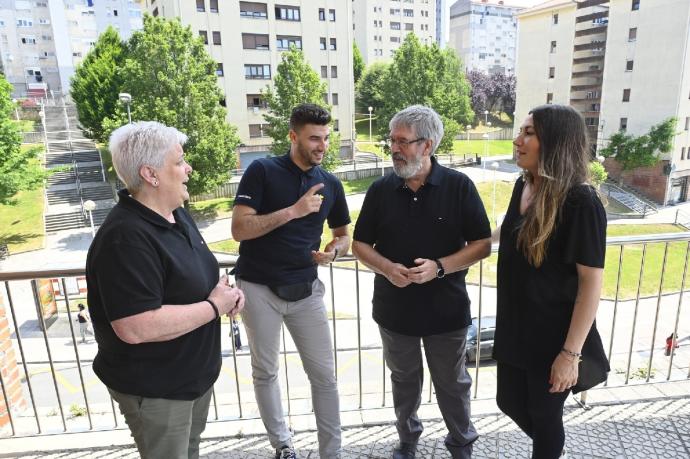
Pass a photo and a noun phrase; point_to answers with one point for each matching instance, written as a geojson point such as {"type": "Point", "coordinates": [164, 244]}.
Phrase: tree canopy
{"type": "Point", "coordinates": [295, 82]}
{"type": "Point", "coordinates": [357, 62]}
{"type": "Point", "coordinates": [172, 79]}
{"type": "Point", "coordinates": [641, 151]}
{"type": "Point", "coordinates": [492, 92]}
{"type": "Point", "coordinates": [20, 169]}
{"type": "Point", "coordinates": [369, 90]}
{"type": "Point", "coordinates": [426, 75]}
{"type": "Point", "coordinates": [97, 82]}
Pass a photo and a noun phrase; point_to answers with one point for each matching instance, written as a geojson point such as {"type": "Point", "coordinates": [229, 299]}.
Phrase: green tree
{"type": "Point", "coordinates": [426, 75]}
{"type": "Point", "coordinates": [597, 173]}
{"type": "Point", "coordinates": [20, 169]}
{"type": "Point", "coordinates": [643, 151]}
{"type": "Point", "coordinates": [172, 79]}
{"type": "Point", "coordinates": [370, 87]}
{"type": "Point", "coordinates": [357, 62]}
{"type": "Point", "coordinates": [295, 83]}
{"type": "Point", "coordinates": [97, 82]}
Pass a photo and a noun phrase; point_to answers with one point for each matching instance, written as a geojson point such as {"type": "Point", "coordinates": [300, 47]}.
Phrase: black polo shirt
{"type": "Point", "coordinates": [534, 305]}
{"type": "Point", "coordinates": [137, 262]}
{"type": "Point", "coordinates": [433, 222]}
{"type": "Point", "coordinates": [283, 256]}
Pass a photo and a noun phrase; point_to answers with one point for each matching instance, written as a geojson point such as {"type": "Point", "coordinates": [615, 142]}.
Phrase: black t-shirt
{"type": "Point", "coordinates": [432, 223]}
{"type": "Point", "coordinates": [137, 262]}
{"type": "Point", "coordinates": [535, 305]}
{"type": "Point", "coordinates": [283, 256]}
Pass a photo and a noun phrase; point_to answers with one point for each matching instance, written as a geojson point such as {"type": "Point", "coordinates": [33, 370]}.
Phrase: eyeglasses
{"type": "Point", "coordinates": [403, 143]}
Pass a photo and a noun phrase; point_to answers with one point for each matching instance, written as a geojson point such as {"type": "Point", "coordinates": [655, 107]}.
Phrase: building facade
{"type": "Point", "coordinates": [42, 42]}
{"type": "Point", "coordinates": [247, 40]}
{"type": "Point", "coordinates": [625, 65]}
{"type": "Point", "coordinates": [380, 26]}
{"type": "Point", "coordinates": [483, 34]}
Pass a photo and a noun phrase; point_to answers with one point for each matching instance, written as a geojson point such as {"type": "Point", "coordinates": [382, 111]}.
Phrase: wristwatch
{"type": "Point", "coordinates": [440, 272]}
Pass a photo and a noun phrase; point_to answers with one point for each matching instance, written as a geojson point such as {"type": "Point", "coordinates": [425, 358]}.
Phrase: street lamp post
{"type": "Point", "coordinates": [485, 136]}
{"type": "Point", "coordinates": [370, 110]}
{"type": "Point", "coordinates": [486, 117]}
{"type": "Point", "coordinates": [89, 206]}
{"type": "Point", "coordinates": [382, 144]}
{"type": "Point", "coordinates": [494, 166]}
{"type": "Point", "coordinates": [126, 98]}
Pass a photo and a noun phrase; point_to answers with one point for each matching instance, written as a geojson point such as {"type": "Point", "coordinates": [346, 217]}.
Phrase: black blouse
{"type": "Point", "coordinates": [535, 305]}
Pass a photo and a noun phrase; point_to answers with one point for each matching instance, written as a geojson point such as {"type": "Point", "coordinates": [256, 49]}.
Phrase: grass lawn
{"type": "Point", "coordinates": [25, 125]}
{"type": "Point", "coordinates": [211, 209]}
{"type": "Point", "coordinates": [22, 223]}
{"type": "Point", "coordinates": [472, 147]}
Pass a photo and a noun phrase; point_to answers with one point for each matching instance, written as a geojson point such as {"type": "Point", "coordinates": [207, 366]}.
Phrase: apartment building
{"type": "Point", "coordinates": [625, 65]}
{"type": "Point", "coordinates": [483, 34]}
{"type": "Point", "coordinates": [442, 22]}
{"type": "Point", "coordinates": [42, 42]}
{"type": "Point", "coordinates": [380, 26]}
{"type": "Point", "coordinates": [247, 39]}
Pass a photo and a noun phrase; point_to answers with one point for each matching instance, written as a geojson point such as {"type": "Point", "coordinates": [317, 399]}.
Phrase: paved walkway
{"type": "Point", "coordinates": [645, 429]}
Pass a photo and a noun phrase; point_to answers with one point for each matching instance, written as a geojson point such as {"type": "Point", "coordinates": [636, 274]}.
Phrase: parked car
{"type": "Point", "coordinates": [486, 343]}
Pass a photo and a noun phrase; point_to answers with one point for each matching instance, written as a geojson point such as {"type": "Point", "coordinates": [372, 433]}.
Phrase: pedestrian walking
{"type": "Point", "coordinates": [83, 319]}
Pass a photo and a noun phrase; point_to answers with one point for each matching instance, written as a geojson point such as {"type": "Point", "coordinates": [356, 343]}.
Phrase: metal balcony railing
{"type": "Point", "coordinates": [642, 301]}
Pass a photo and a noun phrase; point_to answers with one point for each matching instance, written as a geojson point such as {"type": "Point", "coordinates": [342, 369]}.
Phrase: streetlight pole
{"type": "Point", "coordinates": [494, 166]}
{"type": "Point", "coordinates": [126, 99]}
{"type": "Point", "coordinates": [382, 144]}
{"type": "Point", "coordinates": [485, 136]}
{"type": "Point", "coordinates": [370, 110]}
{"type": "Point", "coordinates": [486, 117]}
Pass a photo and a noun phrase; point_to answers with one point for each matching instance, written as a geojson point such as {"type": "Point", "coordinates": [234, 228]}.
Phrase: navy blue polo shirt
{"type": "Point", "coordinates": [433, 222]}
{"type": "Point", "coordinates": [137, 262]}
{"type": "Point", "coordinates": [283, 256]}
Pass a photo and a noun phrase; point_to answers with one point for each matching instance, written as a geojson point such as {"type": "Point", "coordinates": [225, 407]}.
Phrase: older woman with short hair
{"type": "Point", "coordinates": [155, 297]}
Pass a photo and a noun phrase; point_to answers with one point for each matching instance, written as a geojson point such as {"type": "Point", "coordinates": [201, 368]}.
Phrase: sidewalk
{"type": "Point", "coordinates": [651, 421]}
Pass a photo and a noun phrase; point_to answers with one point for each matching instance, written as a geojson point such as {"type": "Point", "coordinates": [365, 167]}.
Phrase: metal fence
{"type": "Point", "coordinates": [645, 278]}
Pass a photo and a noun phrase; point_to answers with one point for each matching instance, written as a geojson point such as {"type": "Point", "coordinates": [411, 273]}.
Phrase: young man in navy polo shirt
{"type": "Point", "coordinates": [419, 229]}
{"type": "Point", "coordinates": [280, 207]}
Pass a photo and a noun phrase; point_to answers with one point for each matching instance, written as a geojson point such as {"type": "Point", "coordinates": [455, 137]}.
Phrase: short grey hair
{"type": "Point", "coordinates": [424, 120]}
{"type": "Point", "coordinates": [144, 143]}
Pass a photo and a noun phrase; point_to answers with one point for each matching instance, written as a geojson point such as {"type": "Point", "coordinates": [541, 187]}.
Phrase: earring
{"type": "Point", "coordinates": [155, 183]}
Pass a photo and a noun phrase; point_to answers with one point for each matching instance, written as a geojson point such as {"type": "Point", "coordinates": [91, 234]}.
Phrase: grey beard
{"type": "Point", "coordinates": [408, 170]}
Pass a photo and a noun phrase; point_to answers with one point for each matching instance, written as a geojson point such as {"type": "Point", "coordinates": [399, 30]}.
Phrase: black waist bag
{"type": "Point", "coordinates": [293, 292]}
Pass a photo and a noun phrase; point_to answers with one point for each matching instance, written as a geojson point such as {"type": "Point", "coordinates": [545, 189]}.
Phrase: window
{"type": "Point", "coordinates": [682, 153]}
{"type": "Point", "coordinates": [623, 124]}
{"type": "Point", "coordinates": [395, 11]}
{"type": "Point", "coordinates": [200, 7]}
{"type": "Point", "coordinates": [25, 22]}
{"type": "Point", "coordinates": [253, 10]}
{"type": "Point", "coordinates": [552, 72]}
{"type": "Point", "coordinates": [287, 13]}
{"type": "Point", "coordinates": [254, 41]}
{"type": "Point", "coordinates": [635, 5]}
{"type": "Point", "coordinates": [409, 26]}
{"type": "Point", "coordinates": [325, 98]}
{"type": "Point", "coordinates": [336, 126]}
{"type": "Point", "coordinates": [322, 43]}
{"type": "Point", "coordinates": [283, 42]}
{"type": "Point", "coordinates": [591, 121]}
{"type": "Point", "coordinates": [257, 71]}
{"type": "Point", "coordinates": [114, 12]}
{"type": "Point", "coordinates": [395, 39]}
{"type": "Point", "coordinates": [334, 71]}
{"type": "Point", "coordinates": [408, 13]}
{"type": "Point", "coordinates": [223, 103]}
{"type": "Point", "coordinates": [204, 36]}
{"type": "Point", "coordinates": [331, 15]}
{"type": "Point", "coordinates": [554, 19]}
{"type": "Point", "coordinates": [626, 95]}
{"type": "Point", "coordinates": [553, 47]}
{"type": "Point", "coordinates": [322, 14]}
{"type": "Point", "coordinates": [395, 26]}
{"type": "Point", "coordinates": [213, 6]}
{"type": "Point", "coordinates": [255, 101]}
{"type": "Point", "coordinates": [333, 46]}
{"type": "Point", "coordinates": [155, 12]}
{"type": "Point", "coordinates": [258, 130]}
{"type": "Point", "coordinates": [29, 40]}
{"type": "Point", "coordinates": [219, 69]}
{"type": "Point", "coordinates": [549, 98]}
{"type": "Point", "coordinates": [687, 123]}
{"type": "Point", "coordinates": [632, 34]}
{"type": "Point", "coordinates": [334, 98]}
{"type": "Point", "coordinates": [629, 66]}
{"type": "Point", "coordinates": [44, 21]}
{"type": "Point", "coordinates": [324, 71]}
{"type": "Point", "coordinates": [216, 38]}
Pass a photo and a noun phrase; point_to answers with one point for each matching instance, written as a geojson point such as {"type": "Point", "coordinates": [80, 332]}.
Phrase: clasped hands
{"type": "Point", "coordinates": [402, 276]}
{"type": "Point", "coordinates": [227, 297]}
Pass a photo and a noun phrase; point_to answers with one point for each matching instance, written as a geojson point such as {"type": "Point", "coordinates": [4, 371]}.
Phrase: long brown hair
{"type": "Point", "coordinates": [563, 164]}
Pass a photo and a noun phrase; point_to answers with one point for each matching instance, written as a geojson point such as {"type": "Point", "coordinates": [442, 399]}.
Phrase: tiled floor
{"type": "Point", "coordinates": [645, 430]}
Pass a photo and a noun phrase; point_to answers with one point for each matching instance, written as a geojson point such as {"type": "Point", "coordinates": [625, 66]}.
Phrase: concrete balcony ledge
{"type": "Point", "coordinates": [636, 421]}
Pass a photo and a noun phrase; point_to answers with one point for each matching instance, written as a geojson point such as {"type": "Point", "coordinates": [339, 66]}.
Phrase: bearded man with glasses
{"type": "Point", "coordinates": [419, 230]}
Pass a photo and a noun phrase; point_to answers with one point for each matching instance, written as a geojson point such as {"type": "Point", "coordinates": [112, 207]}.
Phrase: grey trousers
{"type": "Point", "coordinates": [162, 428]}
{"type": "Point", "coordinates": [307, 323]}
{"type": "Point", "coordinates": [445, 355]}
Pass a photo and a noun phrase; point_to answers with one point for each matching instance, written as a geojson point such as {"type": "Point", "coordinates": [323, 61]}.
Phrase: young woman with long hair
{"type": "Point", "coordinates": [550, 268]}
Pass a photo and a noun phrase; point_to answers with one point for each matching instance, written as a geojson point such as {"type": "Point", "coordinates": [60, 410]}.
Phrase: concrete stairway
{"type": "Point", "coordinates": [629, 199]}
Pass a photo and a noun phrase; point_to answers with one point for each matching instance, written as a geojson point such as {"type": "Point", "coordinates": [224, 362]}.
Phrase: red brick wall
{"type": "Point", "coordinates": [10, 372]}
{"type": "Point", "coordinates": [648, 181]}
